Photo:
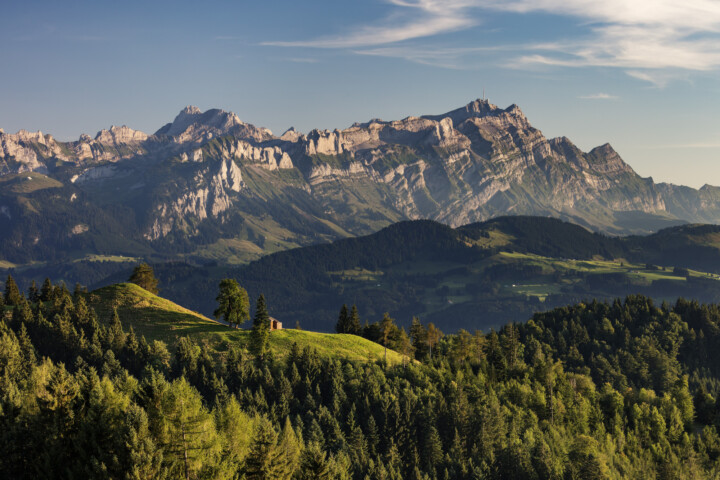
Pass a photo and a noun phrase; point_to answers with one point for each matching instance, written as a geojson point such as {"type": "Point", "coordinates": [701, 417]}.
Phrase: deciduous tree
{"type": "Point", "coordinates": [233, 303]}
{"type": "Point", "coordinates": [144, 276]}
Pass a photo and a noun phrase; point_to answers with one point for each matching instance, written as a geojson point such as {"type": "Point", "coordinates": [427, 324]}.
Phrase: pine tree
{"type": "Point", "coordinates": [386, 328]}
{"type": "Point", "coordinates": [12, 292]}
{"type": "Point", "coordinates": [354, 322]}
{"type": "Point", "coordinates": [182, 425]}
{"type": "Point", "coordinates": [433, 337]}
{"type": "Point", "coordinates": [342, 325]}
{"type": "Point", "coordinates": [260, 334]}
{"type": "Point", "coordinates": [314, 464]}
{"type": "Point", "coordinates": [418, 335]}
{"type": "Point", "coordinates": [144, 276]}
{"type": "Point", "coordinates": [33, 292]}
{"type": "Point", "coordinates": [262, 460]}
{"type": "Point", "coordinates": [405, 346]}
{"type": "Point", "coordinates": [288, 450]}
{"type": "Point", "coordinates": [233, 303]}
{"type": "Point", "coordinates": [46, 290]}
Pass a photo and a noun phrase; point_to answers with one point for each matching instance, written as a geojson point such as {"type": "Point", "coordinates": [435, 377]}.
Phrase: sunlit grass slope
{"type": "Point", "coordinates": [159, 319]}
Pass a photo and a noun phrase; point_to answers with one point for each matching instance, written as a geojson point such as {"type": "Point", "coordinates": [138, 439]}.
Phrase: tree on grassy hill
{"type": "Point", "coordinates": [260, 333]}
{"type": "Point", "coordinates": [386, 328]}
{"type": "Point", "coordinates": [233, 303]}
{"type": "Point", "coordinates": [433, 336]}
{"type": "Point", "coordinates": [354, 321]}
{"type": "Point", "coordinates": [418, 335]}
{"type": "Point", "coordinates": [349, 322]}
{"type": "Point", "coordinates": [12, 292]}
{"type": "Point", "coordinates": [343, 320]}
{"type": "Point", "coordinates": [144, 276]}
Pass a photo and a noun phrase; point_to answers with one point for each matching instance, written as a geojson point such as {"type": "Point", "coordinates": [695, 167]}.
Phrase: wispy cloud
{"type": "Point", "coordinates": [599, 96]}
{"type": "Point", "coordinates": [301, 60]}
{"type": "Point", "coordinates": [414, 19]}
{"type": "Point", "coordinates": [699, 145]}
{"type": "Point", "coordinates": [447, 57]}
{"type": "Point", "coordinates": [641, 36]}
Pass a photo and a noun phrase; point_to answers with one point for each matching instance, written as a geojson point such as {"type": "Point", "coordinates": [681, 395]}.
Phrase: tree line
{"type": "Point", "coordinates": [594, 390]}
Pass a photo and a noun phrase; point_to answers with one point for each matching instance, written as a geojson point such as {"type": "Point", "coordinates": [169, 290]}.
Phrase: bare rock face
{"type": "Point", "coordinates": [19, 152]}
{"type": "Point", "coordinates": [209, 197]}
{"type": "Point", "coordinates": [324, 143]}
{"type": "Point", "coordinates": [120, 136]}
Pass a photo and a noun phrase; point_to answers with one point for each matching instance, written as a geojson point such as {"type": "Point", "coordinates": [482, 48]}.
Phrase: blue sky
{"type": "Point", "coordinates": [643, 75]}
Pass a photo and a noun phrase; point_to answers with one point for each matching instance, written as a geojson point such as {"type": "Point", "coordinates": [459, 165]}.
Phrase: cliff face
{"type": "Point", "coordinates": [208, 175]}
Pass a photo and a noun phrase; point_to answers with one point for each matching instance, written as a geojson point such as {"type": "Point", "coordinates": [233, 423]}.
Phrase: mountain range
{"type": "Point", "coordinates": [210, 187]}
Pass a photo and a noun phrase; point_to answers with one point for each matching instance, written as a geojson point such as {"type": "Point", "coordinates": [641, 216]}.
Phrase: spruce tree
{"type": "Point", "coordinates": [12, 292]}
{"type": "Point", "coordinates": [343, 320]}
{"type": "Point", "coordinates": [288, 449]}
{"type": "Point", "coordinates": [354, 322]}
{"type": "Point", "coordinates": [314, 464]}
{"type": "Point", "coordinates": [433, 336]}
{"type": "Point", "coordinates": [260, 334]}
{"type": "Point", "coordinates": [33, 292]}
{"type": "Point", "coordinates": [418, 335]}
{"type": "Point", "coordinates": [262, 460]}
{"type": "Point", "coordinates": [386, 328]}
{"type": "Point", "coordinates": [46, 290]}
{"type": "Point", "coordinates": [144, 276]}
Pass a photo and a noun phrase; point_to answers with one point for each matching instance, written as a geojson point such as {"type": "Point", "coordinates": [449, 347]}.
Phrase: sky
{"type": "Point", "coordinates": [643, 75]}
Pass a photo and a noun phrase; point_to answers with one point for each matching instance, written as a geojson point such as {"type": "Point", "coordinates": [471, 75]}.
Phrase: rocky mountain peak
{"type": "Point", "coordinates": [291, 135]}
{"type": "Point", "coordinates": [195, 126]}
{"type": "Point", "coordinates": [120, 135]}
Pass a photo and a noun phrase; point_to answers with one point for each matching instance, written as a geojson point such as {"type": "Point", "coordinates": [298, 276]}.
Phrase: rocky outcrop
{"type": "Point", "coordinates": [25, 151]}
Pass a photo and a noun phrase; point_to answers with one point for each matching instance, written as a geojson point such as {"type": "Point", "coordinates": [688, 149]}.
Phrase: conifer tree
{"type": "Point", "coordinates": [314, 464]}
{"type": "Point", "coordinates": [418, 336]}
{"type": "Point", "coordinates": [386, 328]}
{"type": "Point", "coordinates": [46, 290]}
{"type": "Point", "coordinates": [288, 450]}
{"type": "Point", "coordinates": [405, 346]}
{"type": "Point", "coordinates": [260, 334]}
{"type": "Point", "coordinates": [262, 462]}
{"type": "Point", "coordinates": [33, 292]}
{"type": "Point", "coordinates": [354, 321]}
{"type": "Point", "coordinates": [433, 336]}
{"type": "Point", "coordinates": [144, 276]}
{"type": "Point", "coordinates": [343, 320]}
{"type": "Point", "coordinates": [12, 292]}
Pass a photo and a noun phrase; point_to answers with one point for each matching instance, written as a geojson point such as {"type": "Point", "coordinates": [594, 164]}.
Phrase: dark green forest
{"type": "Point", "coordinates": [590, 391]}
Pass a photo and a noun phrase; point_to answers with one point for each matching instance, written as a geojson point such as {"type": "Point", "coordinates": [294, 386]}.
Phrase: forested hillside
{"type": "Point", "coordinates": [482, 275]}
{"type": "Point", "coordinates": [595, 390]}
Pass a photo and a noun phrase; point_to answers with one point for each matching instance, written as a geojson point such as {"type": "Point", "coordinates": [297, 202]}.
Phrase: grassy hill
{"type": "Point", "coordinates": [160, 319]}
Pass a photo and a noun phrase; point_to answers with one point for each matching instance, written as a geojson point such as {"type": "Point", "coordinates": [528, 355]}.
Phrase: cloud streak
{"type": "Point", "coordinates": [599, 96]}
{"type": "Point", "coordinates": [641, 36]}
{"type": "Point", "coordinates": [416, 19]}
